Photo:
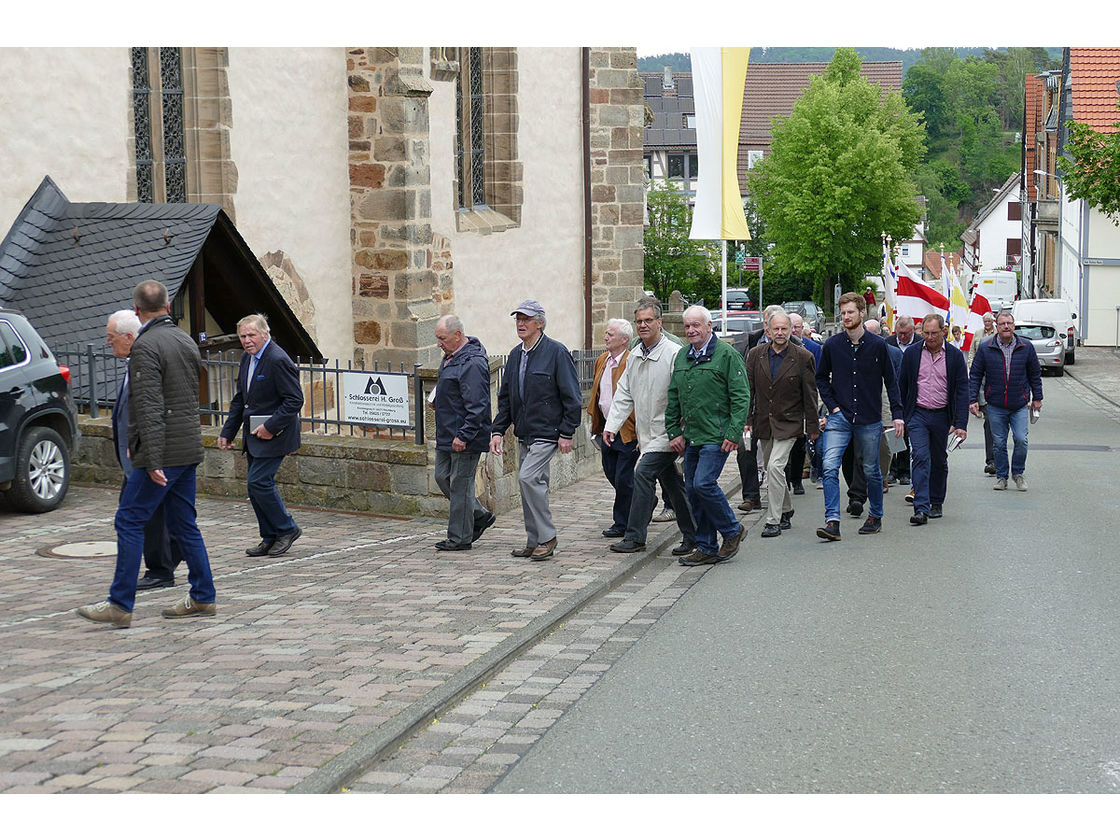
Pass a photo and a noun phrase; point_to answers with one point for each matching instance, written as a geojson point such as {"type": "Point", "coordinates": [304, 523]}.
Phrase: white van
{"type": "Point", "coordinates": [999, 287]}
{"type": "Point", "coordinates": [1056, 311]}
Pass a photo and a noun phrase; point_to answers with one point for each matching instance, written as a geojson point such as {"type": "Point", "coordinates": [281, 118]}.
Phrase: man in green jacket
{"type": "Point", "coordinates": [708, 402]}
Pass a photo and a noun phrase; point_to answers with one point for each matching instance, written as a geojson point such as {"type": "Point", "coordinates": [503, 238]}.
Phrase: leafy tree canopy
{"type": "Point", "coordinates": [1092, 172]}
{"type": "Point", "coordinates": [672, 260]}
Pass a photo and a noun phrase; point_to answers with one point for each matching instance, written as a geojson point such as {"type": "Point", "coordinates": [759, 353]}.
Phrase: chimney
{"type": "Point", "coordinates": [667, 81]}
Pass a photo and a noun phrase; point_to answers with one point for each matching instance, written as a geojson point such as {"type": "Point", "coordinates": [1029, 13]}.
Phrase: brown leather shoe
{"type": "Point", "coordinates": [750, 504]}
{"type": "Point", "coordinates": [544, 550]}
{"type": "Point", "coordinates": [731, 544]}
{"type": "Point", "coordinates": [527, 551]}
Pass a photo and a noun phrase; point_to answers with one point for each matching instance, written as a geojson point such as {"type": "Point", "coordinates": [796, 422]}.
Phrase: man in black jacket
{"type": "Point", "coordinates": [462, 407]}
{"type": "Point", "coordinates": [165, 444]}
{"type": "Point", "coordinates": [541, 399]}
{"type": "Point", "coordinates": [266, 410]}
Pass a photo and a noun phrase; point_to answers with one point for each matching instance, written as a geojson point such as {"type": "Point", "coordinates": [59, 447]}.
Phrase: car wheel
{"type": "Point", "coordinates": [42, 471]}
{"type": "Point", "coordinates": [1060, 371]}
{"type": "Point", "coordinates": [1071, 356]}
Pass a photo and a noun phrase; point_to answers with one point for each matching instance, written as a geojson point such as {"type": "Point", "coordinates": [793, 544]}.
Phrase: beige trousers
{"type": "Point", "coordinates": [779, 499]}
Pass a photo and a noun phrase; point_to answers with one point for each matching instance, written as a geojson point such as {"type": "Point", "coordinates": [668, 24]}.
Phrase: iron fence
{"type": "Point", "coordinates": [96, 376]}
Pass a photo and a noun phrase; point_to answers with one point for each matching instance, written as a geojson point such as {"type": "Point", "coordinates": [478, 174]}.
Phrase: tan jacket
{"type": "Point", "coordinates": [643, 392]}
{"type": "Point", "coordinates": [598, 421]}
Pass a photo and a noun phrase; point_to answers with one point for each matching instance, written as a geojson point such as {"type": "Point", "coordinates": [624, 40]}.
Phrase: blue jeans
{"type": "Point", "coordinates": [929, 459]}
{"type": "Point", "coordinates": [273, 519]}
{"type": "Point", "coordinates": [837, 434]}
{"type": "Point", "coordinates": [1002, 420]}
{"type": "Point", "coordinates": [710, 510]}
{"type": "Point", "coordinates": [139, 500]}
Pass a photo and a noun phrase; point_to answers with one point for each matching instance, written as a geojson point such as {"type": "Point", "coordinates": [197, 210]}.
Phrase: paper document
{"type": "Point", "coordinates": [256, 421]}
{"type": "Point", "coordinates": [895, 443]}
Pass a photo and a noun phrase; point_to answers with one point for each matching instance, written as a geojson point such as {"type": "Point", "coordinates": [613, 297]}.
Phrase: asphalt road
{"type": "Point", "coordinates": [979, 653]}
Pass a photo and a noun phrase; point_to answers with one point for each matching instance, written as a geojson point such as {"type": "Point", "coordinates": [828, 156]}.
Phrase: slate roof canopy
{"type": "Point", "coordinates": [67, 266]}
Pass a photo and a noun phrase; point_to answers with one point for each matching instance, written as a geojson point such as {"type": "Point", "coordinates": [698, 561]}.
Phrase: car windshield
{"type": "Point", "coordinates": [1035, 332]}
{"type": "Point", "coordinates": [738, 324]}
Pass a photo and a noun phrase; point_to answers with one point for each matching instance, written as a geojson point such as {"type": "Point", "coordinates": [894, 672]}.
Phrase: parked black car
{"type": "Point", "coordinates": [812, 314]}
{"type": "Point", "coordinates": [38, 420]}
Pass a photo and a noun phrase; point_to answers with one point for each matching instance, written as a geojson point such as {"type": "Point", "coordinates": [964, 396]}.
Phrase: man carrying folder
{"type": "Point", "coordinates": [266, 409]}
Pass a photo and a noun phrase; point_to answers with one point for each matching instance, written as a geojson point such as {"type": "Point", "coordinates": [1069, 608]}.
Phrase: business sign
{"type": "Point", "coordinates": [375, 397]}
{"type": "Point", "coordinates": [752, 263]}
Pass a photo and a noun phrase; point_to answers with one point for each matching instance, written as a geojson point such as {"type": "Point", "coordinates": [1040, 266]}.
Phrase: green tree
{"type": "Point", "coordinates": [1092, 171]}
{"type": "Point", "coordinates": [672, 260]}
{"type": "Point", "coordinates": [840, 173]}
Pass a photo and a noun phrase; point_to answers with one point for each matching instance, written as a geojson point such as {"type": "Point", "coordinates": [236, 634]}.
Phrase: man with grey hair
{"type": "Point", "coordinates": [161, 553]}
{"type": "Point", "coordinates": [540, 397]}
{"type": "Point", "coordinates": [746, 457]}
{"type": "Point", "coordinates": [462, 408]}
{"type": "Point", "coordinates": [265, 408]}
{"type": "Point", "coordinates": [705, 419]}
{"type": "Point", "coordinates": [621, 454]}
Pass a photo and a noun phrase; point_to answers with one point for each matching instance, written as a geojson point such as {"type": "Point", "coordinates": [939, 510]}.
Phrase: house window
{"type": "Point", "coordinates": [688, 121]}
{"type": "Point", "coordinates": [753, 157]}
{"type": "Point", "coordinates": [905, 251]}
{"type": "Point", "coordinates": [1014, 211]}
{"type": "Point", "coordinates": [676, 166]}
{"type": "Point", "coordinates": [1014, 251]}
{"type": "Point", "coordinates": [693, 166]}
{"type": "Point", "coordinates": [157, 121]}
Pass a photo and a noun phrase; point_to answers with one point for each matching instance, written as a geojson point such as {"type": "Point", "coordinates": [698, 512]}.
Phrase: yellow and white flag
{"type": "Point", "coordinates": [718, 77]}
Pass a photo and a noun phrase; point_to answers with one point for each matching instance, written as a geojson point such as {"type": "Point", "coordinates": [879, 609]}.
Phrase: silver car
{"type": "Point", "coordinates": [1048, 343]}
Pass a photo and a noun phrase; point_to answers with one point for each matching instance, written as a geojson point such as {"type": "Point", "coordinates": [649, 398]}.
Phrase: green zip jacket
{"type": "Point", "coordinates": [708, 397]}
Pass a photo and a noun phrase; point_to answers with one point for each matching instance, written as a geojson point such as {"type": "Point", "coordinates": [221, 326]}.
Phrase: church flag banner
{"type": "Point", "coordinates": [976, 311]}
{"type": "Point", "coordinates": [917, 299]}
{"type": "Point", "coordinates": [718, 77]}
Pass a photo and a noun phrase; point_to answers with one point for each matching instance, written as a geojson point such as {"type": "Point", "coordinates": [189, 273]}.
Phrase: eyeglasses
{"type": "Point", "coordinates": [644, 320]}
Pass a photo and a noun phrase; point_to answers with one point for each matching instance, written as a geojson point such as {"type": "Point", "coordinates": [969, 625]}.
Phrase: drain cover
{"type": "Point", "coordinates": [80, 550]}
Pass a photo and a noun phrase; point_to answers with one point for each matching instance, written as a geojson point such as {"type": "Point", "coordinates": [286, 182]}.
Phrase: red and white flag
{"type": "Point", "coordinates": [976, 312]}
{"type": "Point", "coordinates": [915, 298]}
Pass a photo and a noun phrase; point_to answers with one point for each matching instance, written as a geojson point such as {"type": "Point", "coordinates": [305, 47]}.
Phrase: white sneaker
{"type": "Point", "coordinates": [666, 515]}
{"type": "Point", "coordinates": [1001, 484]}
{"type": "Point", "coordinates": [1020, 482]}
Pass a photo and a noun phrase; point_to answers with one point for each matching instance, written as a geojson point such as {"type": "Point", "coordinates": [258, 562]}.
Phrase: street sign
{"type": "Point", "coordinates": [739, 258]}
{"type": "Point", "coordinates": [752, 263]}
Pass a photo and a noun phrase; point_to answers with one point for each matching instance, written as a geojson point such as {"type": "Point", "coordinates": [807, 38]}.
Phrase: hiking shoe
{"type": "Point", "coordinates": [830, 531]}
{"type": "Point", "coordinates": [700, 558]}
{"type": "Point", "coordinates": [784, 522]}
{"type": "Point", "coordinates": [989, 469]}
{"type": "Point", "coordinates": [873, 525]}
{"type": "Point", "coordinates": [1020, 482]}
{"type": "Point", "coordinates": [667, 515]}
{"type": "Point", "coordinates": [935, 511]}
{"type": "Point", "coordinates": [106, 612]}
{"type": "Point", "coordinates": [731, 544]}
{"type": "Point", "coordinates": [771, 530]}
{"type": "Point", "coordinates": [751, 504]}
{"type": "Point", "coordinates": [684, 549]}
{"type": "Point", "coordinates": [187, 608]}
{"type": "Point", "coordinates": [1001, 484]}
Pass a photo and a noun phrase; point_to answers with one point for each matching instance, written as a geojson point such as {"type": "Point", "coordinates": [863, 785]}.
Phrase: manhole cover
{"type": "Point", "coordinates": [80, 550]}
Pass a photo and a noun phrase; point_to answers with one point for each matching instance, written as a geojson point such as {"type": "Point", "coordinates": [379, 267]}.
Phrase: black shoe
{"type": "Point", "coordinates": [798, 488]}
{"type": "Point", "coordinates": [855, 509]}
{"type": "Point", "coordinates": [447, 545]}
{"type": "Point", "coordinates": [891, 479]}
{"type": "Point", "coordinates": [627, 547]}
{"type": "Point", "coordinates": [919, 518]}
{"type": "Point", "coordinates": [830, 531]}
{"type": "Point", "coordinates": [935, 511]}
{"type": "Point", "coordinates": [904, 479]}
{"type": "Point", "coordinates": [148, 582]}
{"type": "Point", "coordinates": [910, 498]}
{"type": "Point", "coordinates": [873, 525]}
{"type": "Point", "coordinates": [260, 549]}
{"type": "Point", "coordinates": [771, 530]}
{"type": "Point", "coordinates": [284, 542]}
{"type": "Point", "coordinates": [615, 533]}
{"type": "Point", "coordinates": [989, 469]}
{"type": "Point", "coordinates": [479, 527]}
{"type": "Point", "coordinates": [686, 547]}
{"type": "Point", "coordinates": [784, 523]}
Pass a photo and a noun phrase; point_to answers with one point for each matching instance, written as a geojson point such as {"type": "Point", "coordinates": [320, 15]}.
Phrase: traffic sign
{"type": "Point", "coordinates": [752, 263]}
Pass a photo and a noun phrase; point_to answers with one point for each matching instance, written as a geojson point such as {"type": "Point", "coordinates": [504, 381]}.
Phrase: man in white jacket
{"type": "Point", "coordinates": [643, 389]}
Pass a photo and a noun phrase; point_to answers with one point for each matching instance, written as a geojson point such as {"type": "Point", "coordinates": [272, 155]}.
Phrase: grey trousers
{"type": "Point", "coordinates": [532, 477]}
{"type": "Point", "coordinates": [779, 499]}
{"type": "Point", "coordinates": [454, 476]}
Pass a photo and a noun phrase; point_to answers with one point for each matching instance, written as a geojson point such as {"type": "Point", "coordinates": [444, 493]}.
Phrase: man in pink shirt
{"type": "Point", "coordinates": [933, 384]}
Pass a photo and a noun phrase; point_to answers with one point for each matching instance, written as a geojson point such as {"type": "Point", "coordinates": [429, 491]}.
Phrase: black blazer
{"type": "Point", "coordinates": [275, 391]}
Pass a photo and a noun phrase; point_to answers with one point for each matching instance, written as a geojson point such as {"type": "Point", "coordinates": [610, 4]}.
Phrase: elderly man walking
{"type": "Point", "coordinates": [934, 388]}
{"type": "Point", "coordinates": [541, 399]}
{"type": "Point", "coordinates": [643, 393]}
{"type": "Point", "coordinates": [462, 409]}
{"type": "Point", "coordinates": [1006, 371]}
{"type": "Point", "coordinates": [161, 554]}
{"type": "Point", "coordinates": [855, 367]}
{"type": "Point", "coordinates": [165, 444]}
{"type": "Point", "coordinates": [621, 454]}
{"type": "Point", "coordinates": [705, 418]}
{"type": "Point", "coordinates": [783, 387]}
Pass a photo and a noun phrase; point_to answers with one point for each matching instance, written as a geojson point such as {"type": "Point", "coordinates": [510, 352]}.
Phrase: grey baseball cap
{"type": "Point", "coordinates": [531, 308]}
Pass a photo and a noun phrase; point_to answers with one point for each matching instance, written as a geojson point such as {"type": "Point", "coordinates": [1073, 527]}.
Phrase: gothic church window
{"type": "Point", "coordinates": [158, 130]}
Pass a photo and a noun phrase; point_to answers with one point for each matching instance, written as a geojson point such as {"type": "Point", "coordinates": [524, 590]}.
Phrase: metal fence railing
{"type": "Point", "coordinates": [329, 391]}
{"type": "Point", "coordinates": [585, 367]}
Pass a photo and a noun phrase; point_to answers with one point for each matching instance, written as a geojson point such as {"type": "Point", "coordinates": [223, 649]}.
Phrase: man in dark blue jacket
{"type": "Point", "coordinates": [934, 386]}
{"type": "Point", "coordinates": [266, 409]}
{"type": "Point", "coordinates": [541, 399]}
{"type": "Point", "coordinates": [462, 408]}
{"type": "Point", "coordinates": [1007, 368]}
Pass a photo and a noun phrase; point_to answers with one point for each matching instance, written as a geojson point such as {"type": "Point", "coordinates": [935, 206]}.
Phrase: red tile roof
{"type": "Point", "coordinates": [1095, 71]}
{"type": "Point", "coordinates": [1033, 118]}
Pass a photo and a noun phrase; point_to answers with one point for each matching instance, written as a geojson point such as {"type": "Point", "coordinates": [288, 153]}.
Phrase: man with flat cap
{"type": "Point", "coordinates": [541, 399]}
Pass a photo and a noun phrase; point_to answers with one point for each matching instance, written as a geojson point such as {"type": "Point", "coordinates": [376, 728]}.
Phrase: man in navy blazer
{"type": "Point", "coordinates": [268, 387]}
{"type": "Point", "coordinates": [934, 387]}
{"type": "Point", "coordinates": [161, 553]}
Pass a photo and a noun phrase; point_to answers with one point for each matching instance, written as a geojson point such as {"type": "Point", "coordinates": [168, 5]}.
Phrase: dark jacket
{"type": "Point", "coordinates": [551, 405]}
{"type": "Point", "coordinates": [163, 371]}
{"type": "Point", "coordinates": [956, 382]}
{"type": "Point", "coordinates": [276, 393]}
{"type": "Point", "coordinates": [854, 382]}
{"type": "Point", "coordinates": [1003, 391]}
{"type": "Point", "coordinates": [785, 407]}
{"type": "Point", "coordinates": [462, 403]}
